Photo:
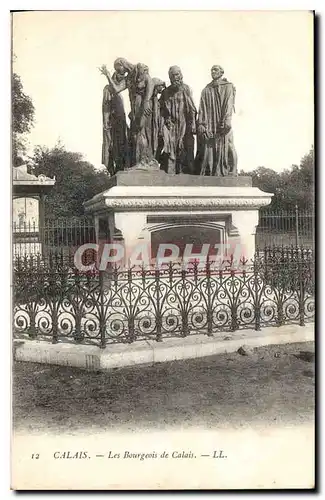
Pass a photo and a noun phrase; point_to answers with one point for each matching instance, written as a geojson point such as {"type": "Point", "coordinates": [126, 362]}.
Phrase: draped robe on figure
{"type": "Point", "coordinates": [144, 128]}
{"type": "Point", "coordinates": [115, 134]}
{"type": "Point", "coordinates": [216, 153]}
{"type": "Point", "coordinates": [156, 116]}
{"type": "Point", "coordinates": [178, 114]}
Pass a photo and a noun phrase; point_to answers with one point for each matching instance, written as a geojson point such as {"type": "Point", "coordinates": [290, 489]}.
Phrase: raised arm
{"type": "Point", "coordinates": [116, 87]}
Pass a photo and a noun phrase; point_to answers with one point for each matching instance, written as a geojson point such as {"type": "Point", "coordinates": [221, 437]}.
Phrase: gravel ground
{"type": "Point", "coordinates": [272, 385]}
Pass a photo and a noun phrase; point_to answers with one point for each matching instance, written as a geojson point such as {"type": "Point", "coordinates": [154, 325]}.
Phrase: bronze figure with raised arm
{"type": "Point", "coordinates": [140, 85]}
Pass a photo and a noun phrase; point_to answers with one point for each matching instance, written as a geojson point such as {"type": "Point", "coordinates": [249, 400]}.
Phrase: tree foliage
{"type": "Point", "coordinates": [22, 118]}
{"type": "Point", "coordinates": [294, 186]}
{"type": "Point", "coordinates": [76, 180]}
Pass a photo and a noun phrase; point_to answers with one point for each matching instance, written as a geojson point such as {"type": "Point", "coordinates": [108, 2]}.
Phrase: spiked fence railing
{"type": "Point", "coordinates": [53, 300]}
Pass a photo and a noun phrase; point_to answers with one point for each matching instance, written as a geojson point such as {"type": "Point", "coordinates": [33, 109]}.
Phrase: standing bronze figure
{"type": "Point", "coordinates": [159, 87]}
{"type": "Point", "coordinates": [216, 153]}
{"type": "Point", "coordinates": [115, 150]}
{"type": "Point", "coordinates": [178, 114]}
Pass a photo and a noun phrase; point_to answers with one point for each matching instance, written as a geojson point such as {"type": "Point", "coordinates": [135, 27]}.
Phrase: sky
{"type": "Point", "coordinates": [268, 55]}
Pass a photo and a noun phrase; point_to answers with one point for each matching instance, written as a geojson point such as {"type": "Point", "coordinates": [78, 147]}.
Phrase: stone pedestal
{"type": "Point", "coordinates": [148, 209]}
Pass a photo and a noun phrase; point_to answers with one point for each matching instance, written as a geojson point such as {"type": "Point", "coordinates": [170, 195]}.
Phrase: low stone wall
{"type": "Point", "coordinates": [149, 352]}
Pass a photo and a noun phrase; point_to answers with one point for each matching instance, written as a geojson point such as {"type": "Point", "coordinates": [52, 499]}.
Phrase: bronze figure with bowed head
{"type": "Point", "coordinates": [178, 115]}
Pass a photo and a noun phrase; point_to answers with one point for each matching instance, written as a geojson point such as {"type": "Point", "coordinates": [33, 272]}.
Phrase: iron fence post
{"type": "Point", "coordinates": [209, 300]}
{"type": "Point", "coordinates": [301, 290]}
{"type": "Point", "coordinates": [158, 307]}
{"type": "Point", "coordinates": [54, 325]}
{"type": "Point", "coordinates": [184, 312]}
{"type": "Point", "coordinates": [130, 307]}
{"type": "Point", "coordinates": [234, 304]}
{"type": "Point", "coordinates": [297, 225]}
{"type": "Point", "coordinates": [78, 336]}
{"type": "Point", "coordinates": [54, 292]}
{"type": "Point", "coordinates": [102, 326]}
{"type": "Point", "coordinates": [257, 305]}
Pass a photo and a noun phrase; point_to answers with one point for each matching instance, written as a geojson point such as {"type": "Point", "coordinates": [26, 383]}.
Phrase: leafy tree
{"type": "Point", "coordinates": [22, 118]}
{"type": "Point", "coordinates": [76, 180]}
{"type": "Point", "coordinates": [294, 186]}
{"type": "Point", "coordinates": [299, 187]}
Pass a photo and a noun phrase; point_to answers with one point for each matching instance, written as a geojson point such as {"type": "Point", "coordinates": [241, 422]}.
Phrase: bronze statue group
{"type": "Point", "coordinates": [164, 121]}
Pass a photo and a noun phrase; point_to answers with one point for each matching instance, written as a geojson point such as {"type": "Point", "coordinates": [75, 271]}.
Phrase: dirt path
{"type": "Point", "coordinates": [271, 386]}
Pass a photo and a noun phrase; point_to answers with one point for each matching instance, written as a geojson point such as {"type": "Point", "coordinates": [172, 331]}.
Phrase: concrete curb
{"type": "Point", "coordinates": [149, 352]}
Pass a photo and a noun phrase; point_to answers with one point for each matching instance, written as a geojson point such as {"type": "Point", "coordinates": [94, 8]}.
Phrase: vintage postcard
{"type": "Point", "coordinates": [163, 250]}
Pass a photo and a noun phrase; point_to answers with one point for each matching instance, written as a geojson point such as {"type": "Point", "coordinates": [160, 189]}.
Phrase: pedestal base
{"type": "Point", "coordinates": [153, 212]}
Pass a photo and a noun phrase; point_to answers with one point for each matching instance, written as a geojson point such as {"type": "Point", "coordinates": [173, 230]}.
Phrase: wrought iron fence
{"type": "Point", "coordinates": [54, 300]}
{"type": "Point", "coordinates": [65, 234]}
{"type": "Point", "coordinates": [290, 227]}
